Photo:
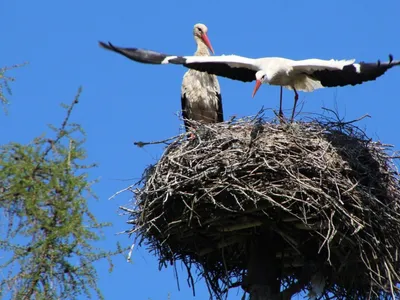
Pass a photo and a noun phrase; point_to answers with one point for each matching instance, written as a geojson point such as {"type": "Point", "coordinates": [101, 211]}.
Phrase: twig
{"type": "Point", "coordinates": [142, 144]}
{"type": "Point", "coordinates": [328, 192]}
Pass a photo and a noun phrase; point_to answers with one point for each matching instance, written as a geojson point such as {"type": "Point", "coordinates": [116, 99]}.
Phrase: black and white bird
{"type": "Point", "coordinates": [298, 75]}
{"type": "Point", "coordinates": [200, 92]}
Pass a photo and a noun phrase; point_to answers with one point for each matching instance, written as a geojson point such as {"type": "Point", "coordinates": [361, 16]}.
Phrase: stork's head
{"type": "Point", "coordinates": [261, 77]}
{"type": "Point", "coordinates": [200, 33]}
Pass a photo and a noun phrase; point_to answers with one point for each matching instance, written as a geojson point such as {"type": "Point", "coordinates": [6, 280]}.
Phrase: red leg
{"type": "Point", "coordinates": [280, 115]}
{"type": "Point", "coordinates": [296, 97]}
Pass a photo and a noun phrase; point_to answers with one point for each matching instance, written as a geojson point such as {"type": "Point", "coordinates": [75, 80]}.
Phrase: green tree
{"type": "Point", "coordinates": [47, 248]}
{"type": "Point", "coordinates": [4, 83]}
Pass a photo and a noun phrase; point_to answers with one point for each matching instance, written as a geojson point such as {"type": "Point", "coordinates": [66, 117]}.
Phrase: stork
{"type": "Point", "coordinates": [200, 92]}
{"type": "Point", "coordinates": [297, 75]}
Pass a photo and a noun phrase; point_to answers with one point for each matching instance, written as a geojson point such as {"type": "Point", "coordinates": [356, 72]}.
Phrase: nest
{"type": "Point", "coordinates": [323, 197]}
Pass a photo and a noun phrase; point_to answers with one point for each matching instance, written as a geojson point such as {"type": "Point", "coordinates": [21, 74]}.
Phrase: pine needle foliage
{"type": "Point", "coordinates": [47, 232]}
{"type": "Point", "coordinates": [4, 83]}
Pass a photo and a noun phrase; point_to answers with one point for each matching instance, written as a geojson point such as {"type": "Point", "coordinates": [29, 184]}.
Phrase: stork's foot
{"type": "Point", "coordinates": [192, 136]}
{"type": "Point", "coordinates": [281, 117]}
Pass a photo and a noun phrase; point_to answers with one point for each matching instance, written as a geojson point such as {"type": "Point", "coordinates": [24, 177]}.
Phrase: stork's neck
{"type": "Point", "coordinates": [202, 49]}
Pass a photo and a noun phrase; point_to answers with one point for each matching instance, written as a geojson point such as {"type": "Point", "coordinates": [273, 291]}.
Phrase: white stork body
{"type": "Point", "coordinates": [301, 75]}
{"type": "Point", "coordinates": [200, 92]}
{"type": "Point", "coordinates": [298, 75]}
{"type": "Point", "coordinates": [201, 98]}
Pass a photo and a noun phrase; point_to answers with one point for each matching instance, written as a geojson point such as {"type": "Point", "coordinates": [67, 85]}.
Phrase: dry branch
{"type": "Point", "coordinates": [324, 196]}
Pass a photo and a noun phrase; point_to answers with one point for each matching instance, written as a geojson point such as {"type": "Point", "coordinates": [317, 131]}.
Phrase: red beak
{"type": "Point", "coordinates": [258, 84]}
{"type": "Point", "coordinates": [206, 41]}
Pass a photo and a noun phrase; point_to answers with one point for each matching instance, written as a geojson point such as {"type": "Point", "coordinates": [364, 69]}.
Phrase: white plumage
{"type": "Point", "coordinates": [298, 75]}
{"type": "Point", "coordinates": [301, 75]}
{"type": "Point", "coordinates": [284, 72]}
{"type": "Point", "coordinates": [200, 92]}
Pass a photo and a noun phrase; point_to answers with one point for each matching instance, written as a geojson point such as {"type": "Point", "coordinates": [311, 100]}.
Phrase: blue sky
{"type": "Point", "coordinates": [123, 101]}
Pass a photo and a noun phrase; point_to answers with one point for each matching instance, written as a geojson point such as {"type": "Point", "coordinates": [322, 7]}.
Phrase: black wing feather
{"type": "Point", "coordinates": [152, 57]}
{"type": "Point", "coordinates": [220, 112]}
{"type": "Point", "coordinates": [223, 70]}
{"type": "Point", "coordinates": [136, 54]}
{"type": "Point", "coordinates": [217, 68]}
{"type": "Point", "coordinates": [185, 115]}
{"type": "Point", "coordinates": [350, 76]}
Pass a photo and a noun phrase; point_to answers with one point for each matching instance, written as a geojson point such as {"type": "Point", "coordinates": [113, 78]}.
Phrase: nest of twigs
{"type": "Point", "coordinates": [322, 195]}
